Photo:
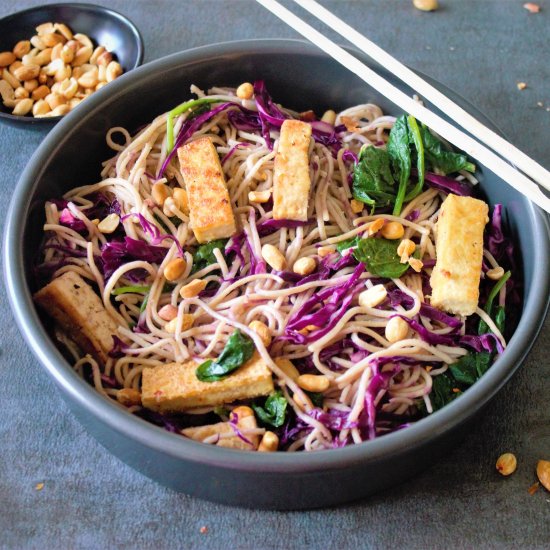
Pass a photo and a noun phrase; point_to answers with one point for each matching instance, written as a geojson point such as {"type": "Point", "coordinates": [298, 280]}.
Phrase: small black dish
{"type": "Point", "coordinates": [104, 26]}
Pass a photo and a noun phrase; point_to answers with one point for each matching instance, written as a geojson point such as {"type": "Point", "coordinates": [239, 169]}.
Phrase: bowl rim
{"type": "Point", "coordinates": [156, 438]}
{"type": "Point", "coordinates": [85, 7]}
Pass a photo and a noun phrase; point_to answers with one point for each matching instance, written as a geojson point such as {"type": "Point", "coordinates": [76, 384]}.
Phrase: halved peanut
{"type": "Point", "coordinates": [160, 192]}
{"type": "Point", "coordinates": [168, 312]}
{"type": "Point", "coordinates": [89, 79]}
{"type": "Point", "coordinates": [96, 53]}
{"type": "Point", "coordinates": [186, 324]}
{"type": "Point", "coordinates": [313, 382]}
{"type": "Point", "coordinates": [373, 296]}
{"type": "Point", "coordinates": [329, 117]}
{"type": "Point", "coordinates": [356, 206]}
{"type": "Point", "coordinates": [23, 107]}
{"type": "Point", "coordinates": [36, 41]}
{"type": "Point", "coordinates": [7, 58]}
{"type": "Point", "coordinates": [27, 72]}
{"type": "Point", "coordinates": [181, 200]}
{"type": "Point", "coordinates": [41, 92]}
{"type": "Point", "coordinates": [45, 28]}
{"type": "Point", "coordinates": [64, 30]}
{"type": "Point", "coordinates": [304, 266]}
{"type": "Point", "coordinates": [192, 289]}
{"type": "Point", "coordinates": [54, 100]}
{"type": "Point", "coordinates": [40, 108]}
{"type": "Point", "coordinates": [56, 52]}
{"type": "Point", "coordinates": [51, 39]}
{"type": "Point", "coordinates": [396, 329]}
{"type": "Point", "coordinates": [245, 91]}
{"type": "Point", "coordinates": [108, 224]}
{"type": "Point", "coordinates": [287, 367]}
{"type": "Point", "coordinates": [10, 79]}
{"type": "Point", "coordinates": [269, 443]}
{"type": "Point", "coordinates": [259, 197]}
{"type": "Point", "coordinates": [30, 85]}
{"type": "Point", "coordinates": [21, 93]}
{"type": "Point", "coordinates": [68, 88]}
{"type": "Point", "coordinates": [82, 56]}
{"type": "Point", "coordinates": [114, 70]}
{"type": "Point", "coordinates": [104, 59]}
{"type": "Point", "coordinates": [392, 230]}
{"type": "Point", "coordinates": [66, 54]}
{"type": "Point", "coordinates": [262, 330]}
{"type": "Point", "coordinates": [175, 269]}
{"type": "Point", "coordinates": [128, 397]}
{"type": "Point", "coordinates": [83, 39]}
{"type": "Point", "coordinates": [23, 47]}
{"type": "Point", "coordinates": [274, 257]}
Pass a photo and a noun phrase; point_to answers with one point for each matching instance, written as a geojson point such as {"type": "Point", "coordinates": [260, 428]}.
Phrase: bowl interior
{"type": "Point", "coordinates": [301, 78]}
{"type": "Point", "coordinates": [104, 26]}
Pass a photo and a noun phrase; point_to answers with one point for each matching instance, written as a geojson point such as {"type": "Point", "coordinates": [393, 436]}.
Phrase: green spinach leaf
{"type": "Point", "coordinates": [316, 398]}
{"type": "Point", "coordinates": [440, 158]}
{"type": "Point", "coordinates": [400, 154]}
{"type": "Point", "coordinates": [238, 350]}
{"type": "Point", "coordinates": [380, 257]}
{"type": "Point", "coordinates": [348, 243]}
{"type": "Point", "coordinates": [470, 368]}
{"type": "Point", "coordinates": [442, 390]}
{"type": "Point", "coordinates": [204, 255]}
{"type": "Point", "coordinates": [416, 140]}
{"type": "Point", "coordinates": [373, 182]}
{"type": "Point", "coordinates": [273, 412]}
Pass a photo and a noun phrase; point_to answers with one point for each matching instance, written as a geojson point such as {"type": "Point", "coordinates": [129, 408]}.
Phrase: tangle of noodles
{"type": "Point", "coordinates": [375, 386]}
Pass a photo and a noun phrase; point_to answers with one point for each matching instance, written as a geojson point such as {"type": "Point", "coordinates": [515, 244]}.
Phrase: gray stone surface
{"type": "Point", "coordinates": [481, 49]}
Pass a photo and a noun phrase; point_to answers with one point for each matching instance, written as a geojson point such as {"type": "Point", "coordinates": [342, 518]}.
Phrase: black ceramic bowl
{"type": "Point", "coordinates": [104, 26]}
{"type": "Point", "coordinates": [301, 77]}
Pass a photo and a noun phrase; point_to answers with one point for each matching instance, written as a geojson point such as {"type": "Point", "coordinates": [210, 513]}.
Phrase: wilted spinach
{"type": "Point", "coordinates": [237, 351]}
{"type": "Point", "coordinates": [273, 412]}
{"type": "Point", "coordinates": [373, 182]}
{"type": "Point", "coordinates": [380, 257]}
{"type": "Point", "coordinates": [440, 158]}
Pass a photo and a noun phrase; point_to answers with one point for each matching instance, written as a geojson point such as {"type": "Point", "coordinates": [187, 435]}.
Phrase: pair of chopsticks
{"type": "Point", "coordinates": [485, 155]}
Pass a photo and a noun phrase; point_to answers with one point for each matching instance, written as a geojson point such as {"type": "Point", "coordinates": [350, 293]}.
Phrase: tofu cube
{"type": "Point", "coordinates": [226, 433]}
{"type": "Point", "coordinates": [174, 387]}
{"type": "Point", "coordinates": [459, 250]}
{"type": "Point", "coordinates": [291, 181]}
{"type": "Point", "coordinates": [72, 302]}
{"type": "Point", "coordinates": [210, 213]}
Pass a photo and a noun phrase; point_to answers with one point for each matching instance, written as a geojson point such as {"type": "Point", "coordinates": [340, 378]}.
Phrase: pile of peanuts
{"type": "Point", "coordinates": [54, 71]}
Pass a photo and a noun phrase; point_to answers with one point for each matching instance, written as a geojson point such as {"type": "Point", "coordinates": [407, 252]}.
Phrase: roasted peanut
{"type": "Point", "coordinates": [27, 72]}
{"type": "Point", "coordinates": [54, 100]}
{"type": "Point", "coordinates": [356, 206]}
{"type": "Point", "coordinates": [392, 230]}
{"type": "Point", "coordinates": [64, 30]}
{"type": "Point", "coordinates": [262, 330]}
{"type": "Point", "coordinates": [543, 473]}
{"type": "Point", "coordinates": [96, 53]}
{"type": "Point", "coordinates": [287, 367]}
{"type": "Point", "coordinates": [245, 91]}
{"type": "Point", "coordinates": [23, 47]}
{"type": "Point", "coordinates": [40, 108]}
{"type": "Point", "coordinates": [6, 91]}
{"type": "Point", "coordinates": [168, 312]}
{"type": "Point", "coordinates": [496, 273]}
{"type": "Point", "coordinates": [108, 224]}
{"type": "Point", "coordinates": [180, 199]}
{"type": "Point", "coordinates": [10, 79]}
{"type": "Point", "coordinates": [104, 59]}
{"type": "Point", "coordinates": [274, 257]}
{"type": "Point", "coordinates": [30, 85]}
{"type": "Point", "coordinates": [40, 93]}
{"type": "Point", "coordinates": [36, 42]}
{"type": "Point", "coordinates": [83, 39]}
{"type": "Point", "coordinates": [187, 321]}
{"type": "Point", "coordinates": [375, 226]}
{"type": "Point", "coordinates": [89, 79]}
{"type": "Point", "coordinates": [304, 266]}
{"type": "Point", "coordinates": [56, 52]}
{"type": "Point", "coordinates": [426, 5]}
{"type": "Point", "coordinates": [113, 71]}
{"type": "Point", "coordinates": [269, 443]}
{"type": "Point", "coordinates": [23, 107]}
{"type": "Point", "coordinates": [68, 88]}
{"type": "Point", "coordinates": [396, 329]}
{"type": "Point", "coordinates": [323, 251]}
{"type": "Point", "coordinates": [21, 93]}
{"type": "Point", "coordinates": [82, 56]}
{"type": "Point", "coordinates": [259, 197]}
{"type": "Point", "coordinates": [329, 117]}
{"type": "Point", "coordinates": [313, 382]}
{"type": "Point", "coordinates": [45, 28]}
{"type": "Point", "coordinates": [160, 192]}
{"type": "Point", "coordinates": [6, 59]}
{"type": "Point", "coordinates": [192, 289]}
{"type": "Point", "coordinates": [373, 296]}
{"type": "Point", "coordinates": [405, 250]}
{"type": "Point", "coordinates": [52, 39]}
{"type": "Point", "coordinates": [506, 464]}
{"type": "Point", "coordinates": [174, 269]}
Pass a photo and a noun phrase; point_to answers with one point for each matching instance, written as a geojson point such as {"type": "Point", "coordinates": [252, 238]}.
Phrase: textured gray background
{"type": "Point", "coordinates": [481, 49]}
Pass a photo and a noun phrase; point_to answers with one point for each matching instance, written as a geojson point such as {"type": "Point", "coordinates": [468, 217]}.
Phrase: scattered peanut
{"type": "Point", "coordinates": [304, 266]}
{"type": "Point", "coordinates": [405, 250]}
{"type": "Point", "coordinates": [160, 192]}
{"type": "Point", "coordinates": [169, 207]}
{"type": "Point", "coordinates": [175, 269]}
{"type": "Point", "coordinates": [287, 367]}
{"type": "Point", "coordinates": [262, 330]}
{"type": "Point", "coordinates": [186, 323]}
{"type": "Point", "coordinates": [396, 329]}
{"type": "Point", "coordinates": [245, 91]}
{"type": "Point", "coordinates": [57, 64]}
{"type": "Point", "coordinates": [109, 223]}
{"type": "Point", "coordinates": [416, 264]}
{"type": "Point", "coordinates": [128, 397]}
{"type": "Point", "coordinates": [274, 257]}
{"type": "Point", "coordinates": [180, 199]}
{"type": "Point", "coordinates": [323, 251]}
{"type": "Point", "coordinates": [496, 273]}
{"type": "Point", "coordinates": [543, 473]}
{"type": "Point", "coordinates": [373, 296]}
{"type": "Point", "coordinates": [392, 230]}
{"type": "Point", "coordinates": [168, 312]}
{"type": "Point", "coordinates": [269, 443]}
{"type": "Point", "coordinates": [192, 289]}
{"type": "Point", "coordinates": [375, 226]}
{"type": "Point", "coordinates": [313, 382]}
{"type": "Point", "coordinates": [506, 464]}
{"type": "Point", "coordinates": [259, 197]}
{"type": "Point", "coordinates": [356, 206]}
{"type": "Point", "coordinates": [426, 5]}
{"type": "Point", "coordinates": [329, 117]}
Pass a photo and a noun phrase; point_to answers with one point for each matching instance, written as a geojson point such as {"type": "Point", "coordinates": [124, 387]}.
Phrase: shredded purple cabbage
{"type": "Point", "coordinates": [333, 419]}
{"type": "Point", "coordinates": [350, 156]}
{"type": "Point", "coordinates": [447, 185]}
{"type": "Point", "coordinates": [156, 236]}
{"type": "Point", "coordinates": [234, 423]}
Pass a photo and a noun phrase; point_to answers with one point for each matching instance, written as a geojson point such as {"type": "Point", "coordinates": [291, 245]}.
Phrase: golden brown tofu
{"type": "Point", "coordinates": [175, 388]}
{"type": "Point", "coordinates": [459, 250]}
{"type": "Point", "coordinates": [210, 213]}
{"type": "Point", "coordinates": [72, 302]}
{"type": "Point", "coordinates": [291, 181]}
{"type": "Point", "coordinates": [225, 429]}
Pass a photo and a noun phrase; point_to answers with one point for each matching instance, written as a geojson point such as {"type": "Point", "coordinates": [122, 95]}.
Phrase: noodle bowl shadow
{"type": "Point", "coordinates": [300, 77]}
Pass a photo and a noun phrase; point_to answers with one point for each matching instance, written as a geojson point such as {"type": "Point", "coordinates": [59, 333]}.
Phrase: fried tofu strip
{"type": "Point", "coordinates": [72, 302]}
{"type": "Point", "coordinates": [211, 216]}
{"type": "Point", "coordinates": [459, 249]}
{"type": "Point", "coordinates": [175, 388]}
{"type": "Point", "coordinates": [291, 182]}
{"type": "Point", "coordinates": [245, 421]}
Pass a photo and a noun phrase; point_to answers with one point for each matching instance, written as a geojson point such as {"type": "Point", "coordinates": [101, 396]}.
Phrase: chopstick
{"type": "Point", "coordinates": [485, 156]}
{"type": "Point", "coordinates": [427, 91]}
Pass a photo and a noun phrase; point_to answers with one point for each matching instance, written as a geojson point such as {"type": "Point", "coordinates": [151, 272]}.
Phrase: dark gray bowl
{"type": "Point", "coordinates": [104, 26]}
{"type": "Point", "coordinates": [301, 77]}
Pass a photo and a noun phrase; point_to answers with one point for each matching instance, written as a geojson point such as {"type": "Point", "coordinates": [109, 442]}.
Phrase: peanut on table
{"type": "Point", "coordinates": [53, 72]}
